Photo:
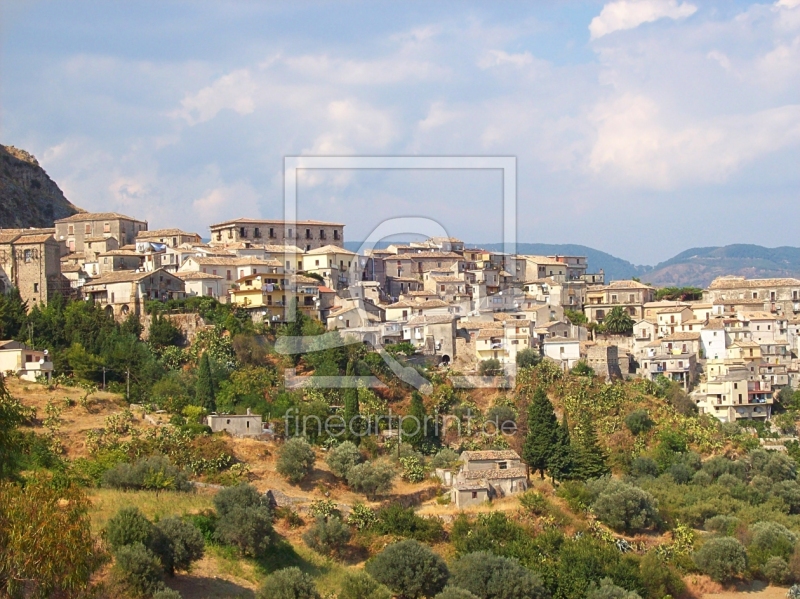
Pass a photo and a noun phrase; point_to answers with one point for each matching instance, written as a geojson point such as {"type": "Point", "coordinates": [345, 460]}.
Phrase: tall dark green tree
{"type": "Point", "coordinates": [205, 391]}
{"type": "Point", "coordinates": [414, 425]}
{"type": "Point", "coordinates": [542, 434]}
{"type": "Point", "coordinates": [11, 416]}
{"type": "Point", "coordinates": [352, 413]}
{"type": "Point", "coordinates": [590, 460]}
{"type": "Point", "coordinates": [13, 312]}
{"type": "Point", "coordinates": [560, 464]}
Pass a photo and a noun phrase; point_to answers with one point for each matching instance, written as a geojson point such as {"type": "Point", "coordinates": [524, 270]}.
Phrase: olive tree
{"type": "Point", "coordinates": [489, 576]}
{"type": "Point", "coordinates": [721, 558]}
{"type": "Point", "coordinates": [289, 583]}
{"type": "Point", "coordinates": [409, 569]}
{"type": "Point", "coordinates": [295, 460]}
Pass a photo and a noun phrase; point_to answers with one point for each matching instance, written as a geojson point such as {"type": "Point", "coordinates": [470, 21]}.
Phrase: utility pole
{"type": "Point", "coordinates": [104, 378]}
{"type": "Point", "coordinates": [128, 384]}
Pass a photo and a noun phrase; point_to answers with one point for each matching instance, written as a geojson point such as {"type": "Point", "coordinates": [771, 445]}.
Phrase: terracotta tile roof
{"type": "Point", "coordinates": [121, 276]}
{"type": "Point", "coordinates": [438, 319]}
{"type": "Point", "coordinates": [195, 275]}
{"type": "Point", "coordinates": [233, 261]}
{"type": "Point", "coordinates": [685, 336]}
{"type": "Point", "coordinates": [164, 233]}
{"type": "Point", "coordinates": [430, 304]}
{"type": "Point", "coordinates": [256, 221]}
{"type": "Point", "coordinates": [490, 454]}
{"type": "Point", "coordinates": [330, 249]}
{"type": "Point", "coordinates": [84, 216]}
{"type": "Point", "coordinates": [673, 310]}
{"type": "Point", "coordinates": [403, 304]}
{"type": "Point", "coordinates": [734, 282]}
{"type": "Point", "coordinates": [494, 474]}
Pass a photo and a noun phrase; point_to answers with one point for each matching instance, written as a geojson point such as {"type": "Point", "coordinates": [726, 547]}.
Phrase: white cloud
{"type": "Point", "coordinates": [496, 58]}
{"type": "Point", "coordinates": [226, 201]}
{"type": "Point", "coordinates": [638, 145]}
{"type": "Point", "coordinates": [234, 91]}
{"type": "Point", "coordinates": [629, 14]}
{"type": "Point", "coordinates": [787, 3]}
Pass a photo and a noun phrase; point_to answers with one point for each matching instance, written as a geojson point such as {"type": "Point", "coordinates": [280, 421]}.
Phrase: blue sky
{"type": "Point", "coordinates": [640, 127]}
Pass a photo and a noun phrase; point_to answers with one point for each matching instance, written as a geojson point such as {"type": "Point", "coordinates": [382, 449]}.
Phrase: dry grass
{"type": "Point", "coordinates": [107, 502]}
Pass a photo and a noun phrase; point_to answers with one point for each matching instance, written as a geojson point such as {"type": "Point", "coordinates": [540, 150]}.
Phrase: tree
{"type": "Point", "coordinates": [542, 432]}
{"type": "Point", "coordinates": [342, 458]}
{"type": "Point", "coordinates": [131, 325]}
{"type": "Point", "coordinates": [528, 358]}
{"type": "Point", "coordinates": [360, 585]}
{"type": "Point", "coordinates": [608, 590]}
{"type": "Point", "coordinates": [575, 317]}
{"type": "Point", "coordinates": [178, 544]}
{"type": "Point", "coordinates": [352, 414]}
{"type": "Point", "coordinates": [721, 558]}
{"type": "Point", "coordinates": [295, 460]}
{"type": "Point", "coordinates": [589, 460]}
{"type": "Point", "coordinates": [371, 478]}
{"type": "Point", "coordinates": [492, 577]}
{"type": "Point", "coordinates": [242, 495]}
{"type": "Point", "coordinates": [415, 423]}
{"type": "Point", "coordinates": [12, 414]}
{"type": "Point", "coordinates": [618, 321]}
{"type": "Point", "coordinates": [625, 508]}
{"type": "Point", "coordinates": [13, 314]}
{"type": "Point", "coordinates": [560, 463]}
{"type": "Point", "coordinates": [163, 333]}
{"type": "Point", "coordinates": [409, 569]}
{"type": "Point", "coordinates": [205, 391]}
{"type": "Point", "coordinates": [289, 583]}
{"type": "Point", "coordinates": [139, 567]}
{"type": "Point", "coordinates": [249, 529]}
{"type": "Point", "coordinates": [46, 546]}
{"type": "Point", "coordinates": [327, 535]}
{"type": "Point", "coordinates": [639, 422]}
{"type": "Point", "coordinates": [490, 367]}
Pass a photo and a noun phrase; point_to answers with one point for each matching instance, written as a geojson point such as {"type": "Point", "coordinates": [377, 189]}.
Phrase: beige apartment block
{"type": "Point", "coordinates": [121, 293]}
{"type": "Point", "coordinates": [73, 231]}
{"type": "Point", "coordinates": [306, 234]}
{"type": "Point", "coordinates": [771, 295]}
{"type": "Point", "coordinates": [169, 237]}
{"type": "Point", "coordinates": [631, 296]}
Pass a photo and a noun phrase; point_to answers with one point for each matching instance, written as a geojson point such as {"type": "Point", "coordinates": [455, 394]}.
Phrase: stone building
{"type": "Point", "coordinates": [608, 360]}
{"type": "Point", "coordinates": [238, 425]}
{"type": "Point", "coordinates": [487, 475]}
{"type": "Point", "coordinates": [306, 234]}
{"type": "Point", "coordinates": [30, 262]}
{"type": "Point", "coordinates": [73, 231]}
{"type": "Point", "coordinates": [123, 292]}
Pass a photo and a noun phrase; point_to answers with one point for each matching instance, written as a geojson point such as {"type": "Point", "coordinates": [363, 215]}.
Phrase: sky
{"type": "Point", "coordinates": [639, 127]}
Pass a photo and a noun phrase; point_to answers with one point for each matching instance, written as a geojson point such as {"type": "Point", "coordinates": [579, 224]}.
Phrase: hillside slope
{"type": "Point", "coordinates": [28, 196]}
{"type": "Point", "coordinates": [700, 266]}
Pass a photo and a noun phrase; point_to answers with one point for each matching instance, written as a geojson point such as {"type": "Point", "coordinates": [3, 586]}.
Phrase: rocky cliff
{"type": "Point", "coordinates": [28, 197]}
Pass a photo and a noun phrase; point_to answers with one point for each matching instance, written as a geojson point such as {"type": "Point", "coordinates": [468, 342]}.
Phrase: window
{"type": "Point", "coordinates": [755, 295]}
{"type": "Point", "coordinates": [36, 287]}
{"type": "Point", "coordinates": [631, 298]}
{"type": "Point", "coordinates": [474, 494]}
{"type": "Point", "coordinates": [28, 255]}
{"type": "Point", "coordinates": [308, 233]}
{"type": "Point", "coordinates": [242, 232]}
{"type": "Point", "coordinates": [71, 231]}
{"type": "Point", "coordinates": [106, 227]}
{"type": "Point", "coordinates": [227, 275]}
{"type": "Point", "coordinates": [347, 323]}
{"type": "Point", "coordinates": [290, 233]}
{"type": "Point", "coordinates": [257, 232]}
{"type": "Point", "coordinates": [336, 235]}
{"type": "Point", "coordinates": [613, 297]}
{"type": "Point", "coordinates": [316, 262]}
{"type": "Point", "coordinates": [87, 229]}
{"type": "Point", "coordinates": [503, 465]}
{"type": "Point", "coordinates": [322, 233]}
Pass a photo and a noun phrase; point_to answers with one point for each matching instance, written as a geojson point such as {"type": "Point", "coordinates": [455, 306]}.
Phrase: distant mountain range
{"type": "Point", "coordinates": [695, 267]}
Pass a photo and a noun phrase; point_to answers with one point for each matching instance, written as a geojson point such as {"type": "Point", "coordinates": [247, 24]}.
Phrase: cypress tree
{"type": "Point", "coordinates": [414, 426]}
{"type": "Point", "coordinates": [560, 464]}
{"type": "Point", "coordinates": [205, 391]}
{"type": "Point", "coordinates": [352, 411]}
{"type": "Point", "coordinates": [589, 458]}
{"type": "Point", "coordinates": [542, 432]}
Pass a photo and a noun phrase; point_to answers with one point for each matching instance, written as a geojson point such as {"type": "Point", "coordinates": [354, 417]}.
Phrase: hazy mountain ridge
{"type": "Point", "coordinates": [28, 196]}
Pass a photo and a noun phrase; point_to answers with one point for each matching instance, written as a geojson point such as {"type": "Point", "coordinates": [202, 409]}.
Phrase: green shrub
{"type": "Point", "coordinates": [722, 524]}
{"type": "Point", "coordinates": [404, 522]}
{"type": "Point", "coordinates": [528, 358]}
{"type": "Point", "coordinates": [444, 458]}
{"type": "Point", "coordinates": [702, 478]}
{"type": "Point", "coordinates": [639, 422]}
{"type": "Point", "coordinates": [327, 536]}
{"type": "Point", "coordinates": [127, 527]}
{"type": "Point", "coordinates": [413, 469]}
{"type": "Point", "coordinates": [728, 480]}
{"type": "Point", "coordinates": [178, 544]}
{"type": "Point", "coordinates": [681, 473]}
{"type": "Point", "coordinates": [249, 529]}
{"type": "Point", "coordinates": [242, 495]}
{"type": "Point", "coordinates": [534, 502]}
{"type": "Point", "coordinates": [371, 478]}
{"type": "Point", "coordinates": [455, 593]}
{"type": "Point", "coordinates": [139, 567]}
{"type": "Point", "coordinates": [289, 583]}
{"type": "Point", "coordinates": [490, 367]}
{"type": "Point", "coordinates": [721, 558]}
{"type": "Point", "coordinates": [492, 577]}
{"type": "Point", "coordinates": [343, 457]}
{"type": "Point", "coordinates": [205, 522]}
{"type": "Point", "coordinates": [770, 539]}
{"type": "Point", "coordinates": [642, 466]}
{"type": "Point", "coordinates": [155, 473]}
{"type": "Point", "coordinates": [361, 517]}
{"type": "Point", "coordinates": [295, 460]}
{"type": "Point", "coordinates": [608, 590]}
{"type": "Point", "coordinates": [777, 571]}
{"type": "Point", "coordinates": [788, 491]}
{"type": "Point", "coordinates": [360, 585]}
{"type": "Point", "coordinates": [409, 569]}
{"type": "Point", "coordinates": [624, 507]}
{"type": "Point", "coordinates": [576, 494]}
{"type": "Point", "coordinates": [660, 578]}
{"type": "Point", "coordinates": [166, 593]}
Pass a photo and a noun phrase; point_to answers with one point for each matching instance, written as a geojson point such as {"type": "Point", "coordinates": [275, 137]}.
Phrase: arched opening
{"type": "Point", "coordinates": [125, 309]}
{"type": "Point", "coordinates": [109, 311]}
{"type": "Point", "coordinates": [445, 360]}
